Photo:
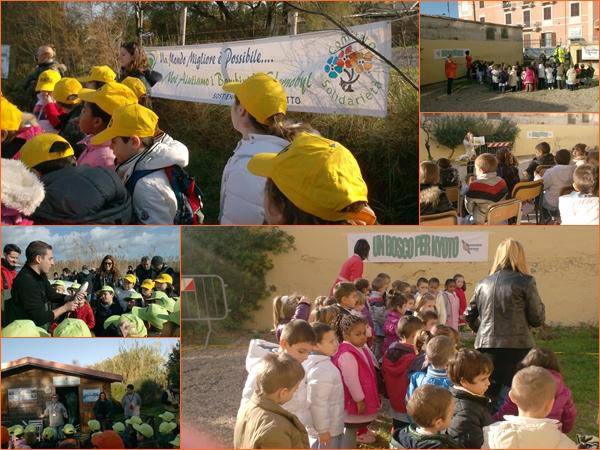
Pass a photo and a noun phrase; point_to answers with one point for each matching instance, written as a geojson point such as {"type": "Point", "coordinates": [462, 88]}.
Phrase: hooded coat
{"type": "Point", "coordinates": [22, 192]}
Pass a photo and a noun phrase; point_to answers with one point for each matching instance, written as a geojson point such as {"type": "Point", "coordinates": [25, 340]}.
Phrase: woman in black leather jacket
{"type": "Point", "coordinates": [503, 309]}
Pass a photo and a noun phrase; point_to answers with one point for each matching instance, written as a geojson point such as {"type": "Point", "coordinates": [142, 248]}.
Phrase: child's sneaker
{"type": "Point", "coordinates": [366, 438]}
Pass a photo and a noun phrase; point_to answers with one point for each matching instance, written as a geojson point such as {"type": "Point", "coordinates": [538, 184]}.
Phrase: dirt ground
{"type": "Point", "coordinates": [476, 98]}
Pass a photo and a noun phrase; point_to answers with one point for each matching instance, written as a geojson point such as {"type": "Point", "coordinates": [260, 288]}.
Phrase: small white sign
{"type": "Point", "coordinates": [478, 140]}
{"type": "Point", "coordinates": [589, 52]}
{"type": "Point", "coordinates": [540, 134]}
{"type": "Point", "coordinates": [66, 380]}
{"type": "Point", "coordinates": [22, 395]}
{"type": "Point", "coordinates": [443, 53]}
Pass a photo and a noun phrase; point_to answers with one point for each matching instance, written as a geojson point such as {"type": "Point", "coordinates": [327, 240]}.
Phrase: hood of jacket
{"type": "Point", "coordinates": [165, 152]}
{"type": "Point", "coordinates": [524, 432]}
{"type": "Point", "coordinates": [21, 188]}
{"type": "Point", "coordinates": [260, 143]}
{"type": "Point", "coordinates": [398, 349]}
{"type": "Point", "coordinates": [314, 360]}
{"type": "Point", "coordinates": [430, 194]}
{"type": "Point", "coordinates": [257, 350]}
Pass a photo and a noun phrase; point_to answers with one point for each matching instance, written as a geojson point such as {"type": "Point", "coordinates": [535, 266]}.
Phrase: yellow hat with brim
{"type": "Point", "coordinates": [164, 278]}
{"type": "Point", "coordinates": [175, 442]}
{"type": "Point", "coordinates": [94, 425]}
{"type": "Point", "coordinates": [72, 328]}
{"type": "Point", "coordinates": [138, 330]}
{"type": "Point", "coordinates": [127, 121]}
{"type": "Point", "coordinates": [144, 429]}
{"type": "Point", "coordinates": [105, 288]}
{"type": "Point", "coordinates": [136, 85]}
{"type": "Point", "coordinates": [166, 427]}
{"type": "Point", "coordinates": [261, 95]}
{"type": "Point", "coordinates": [104, 74]}
{"type": "Point", "coordinates": [23, 328]}
{"type": "Point", "coordinates": [147, 284]}
{"type": "Point", "coordinates": [16, 430]}
{"type": "Point", "coordinates": [68, 429]}
{"type": "Point", "coordinates": [48, 433]}
{"type": "Point", "coordinates": [319, 176]}
{"type": "Point", "coordinates": [119, 427]}
{"type": "Point", "coordinates": [30, 428]}
{"type": "Point", "coordinates": [66, 88]}
{"type": "Point", "coordinates": [134, 420]}
{"type": "Point", "coordinates": [151, 314]}
{"type": "Point", "coordinates": [10, 116]}
{"type": "Point", "coordinates": [109, 97]}
{"type": "Point", "coordinates": [43, 148]}
{"type": "Point", "coordinates": [131, 278]}
{"type": "Point", "coordinates": [47, 80]}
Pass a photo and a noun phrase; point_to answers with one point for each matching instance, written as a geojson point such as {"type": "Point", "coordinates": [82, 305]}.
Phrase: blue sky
{"type": "Point", "coordinates": [77, 241]}
{"type": "Point", "coordinates": [83, 352]}
{"type": "Point", "coordinates": [439, 8]}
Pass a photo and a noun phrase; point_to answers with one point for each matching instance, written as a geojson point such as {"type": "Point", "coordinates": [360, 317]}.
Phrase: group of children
{"type": "Point", "coordinates": [373, 347]}
{"type": "Point", "coordinates": [570, 184]}
{"type": "Point", "coordinates": [131, 433]}
{"type": "Point", "coordinates": [97, 147]}
{"type": "Point", "coordinates": [536, 76]}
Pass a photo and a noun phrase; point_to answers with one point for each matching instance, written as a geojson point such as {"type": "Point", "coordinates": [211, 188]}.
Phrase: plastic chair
{"type": "Point", "coordinates": [530, 191]}
{"type": "Point", "coordinates": [445, 218]}
{"type": "Point", "coordinates": [501, 212]}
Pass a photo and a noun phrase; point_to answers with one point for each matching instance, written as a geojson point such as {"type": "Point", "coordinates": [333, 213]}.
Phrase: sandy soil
{"type": "Point", "coordinates": [477, 98]}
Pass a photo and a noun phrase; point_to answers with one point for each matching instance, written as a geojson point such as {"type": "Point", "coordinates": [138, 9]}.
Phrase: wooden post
{"type": "Point", "coordinates": [292, 22]}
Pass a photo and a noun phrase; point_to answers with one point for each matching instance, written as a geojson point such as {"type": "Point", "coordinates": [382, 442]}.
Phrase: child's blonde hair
{"type": "Point", "coordinates": [361, 299]}
{"type": "Point", "coordinates": [532, 387]}
{"type": "Point", "coordinates": [426, 297]}
{"type": "Point", "coordinates": [325, 314]}
{"type": "Point", "coordinates": [439, 350]}
{"type": "Point", "coordinates": [279, 371]}
{"type": "Point", "coordinates": [486, 163]}
{"type": "Point", "coordinates": [284, 307]}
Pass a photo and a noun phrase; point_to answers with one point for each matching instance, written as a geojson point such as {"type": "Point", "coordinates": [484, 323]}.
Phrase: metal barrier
{"type": "Point", "coordinates": [203, 299]}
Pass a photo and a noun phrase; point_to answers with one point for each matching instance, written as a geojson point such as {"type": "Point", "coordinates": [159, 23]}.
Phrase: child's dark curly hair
{"type": "Point", "coordinates": [345, 322]}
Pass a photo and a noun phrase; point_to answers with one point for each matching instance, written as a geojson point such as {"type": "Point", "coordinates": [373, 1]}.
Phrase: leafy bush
{"type": "Point", "coordinates": [173, 367]}
{"type": "Point", "coordinates": [150, 391]}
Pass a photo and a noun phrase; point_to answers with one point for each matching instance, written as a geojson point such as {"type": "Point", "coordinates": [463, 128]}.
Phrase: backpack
{"type": "Point", "coordinates": [187, 192]}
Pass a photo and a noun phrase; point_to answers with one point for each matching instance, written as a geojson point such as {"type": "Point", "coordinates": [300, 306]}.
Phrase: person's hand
{"type": "Point", "coordinates": [71, 306]}
{"type": "Point", "coordinates": [324, 439]}
{"type": "Point", "coordinates": [80, 297]}
{"type": "Point", "coordinates": [361, 407]}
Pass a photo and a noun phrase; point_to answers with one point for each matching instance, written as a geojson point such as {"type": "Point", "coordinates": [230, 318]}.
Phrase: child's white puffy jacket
{"type": "Point", "coordinates": [524, 432]}
{"type": "Point", "coordinates": [257, 350]}
{"type": "Point", "coordinates": [154, 201]}
{"type": "Point", "coordinates": [22, 191]}
{"type": "Point", "coordinates": [325, 396]}
{"type": "Point", "coordinates": [242, 193]}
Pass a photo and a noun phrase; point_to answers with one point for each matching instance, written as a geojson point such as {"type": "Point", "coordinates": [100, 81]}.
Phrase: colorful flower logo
{"type": "Point", "coordinates": [332, 67]}
{"type": "Point", "coordinates": [347, 65]}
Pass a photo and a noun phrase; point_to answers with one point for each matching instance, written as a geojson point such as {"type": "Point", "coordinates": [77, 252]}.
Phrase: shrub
{"type": "Point", "coordinates": [150, 391]}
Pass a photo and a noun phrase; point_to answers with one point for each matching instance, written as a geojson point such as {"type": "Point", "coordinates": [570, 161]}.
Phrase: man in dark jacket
{"type": "Point", "coordinates": [45, 59]}
{"type": "Point", "coordinates": [144, 270]}
{"type": "Point", "coordinates": [159, 267]}
{"type": "Point", "coordinates": [74, 194]}
{"type": "Point", "coordinates": [9, 265]}
{"type": "Point", "coordinates": [32, 296]}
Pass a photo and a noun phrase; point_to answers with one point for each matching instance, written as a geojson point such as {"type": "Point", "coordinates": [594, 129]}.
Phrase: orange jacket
{"type": "Point", "coordinates": [450, 68]}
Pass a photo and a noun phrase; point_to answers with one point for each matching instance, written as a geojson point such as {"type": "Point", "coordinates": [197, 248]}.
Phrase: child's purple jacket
{"type": "Point", "coordinates": [302, 312]}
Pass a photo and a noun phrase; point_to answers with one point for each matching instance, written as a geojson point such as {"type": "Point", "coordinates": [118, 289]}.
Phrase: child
{"type": "Point", "coordinates": [360, 309]}
{"type": "Point", "coordinates": [440, 304]}
{"type": "Point", "coordinates": [60, 287]}
{"type": "Point", "coordinates": [430, 329]}
{"type": "Point", "coordinates": [448, 174]}
{"type": "Point", "coordinates": [410, 305]}
{"type": "Point", "coordinates": [560, 76]}
{"type": "Point", "coordinates": [579, 154]}
{"type": "Point", "coordinates": [503, 79]}
{"type": "Point", "coordinates": [439, 350]}
{"type": "Point", "coordinates": [142, 157]}
{"type": "Point", "coordinates": [396, 362]}
{"type": "Point", "coordinates": [557, 177]}
{"type": "Point", "coordinates": [363, 285]}
{"type": "Point", "coordinates": [44, 88]}
{"type": "Point", "coordinates": [451, 303]}
{"type": "Point", "coordinates": [495, 73]}
{"type": "Point", "coordinates": [396, 307]}
{"type": "Point", "coordinates": [431, 409]}
{"type": "Point", "coordinates": [470, 373]}
{"type": "Point", "coordinates": [139, 89]}
{"type": "Point", "coordinates": [64, 103]}
{"type": "Point", "coordinates": [461, 290]}
{"type": "Point", "coordinates": [315, 181]}
{"type": "Point", "coordinates": [345, 295]}
{"type": "Point", "coordinates": [528, 77]}
{"type": "Point", "coordinates": [580, 207]}
{"type": "Point", "coordinates": [258, 114]}
{"type": "Point", "coordinates": [49, 438]}
{"type": "Point", "coordinates": [128, 282]}
{"type": "Point", "coordinates": [427, 302]}
{"type": "Point", "coordinates": [513, 79]}
{"type": "Point", "coordinates": [549, 70]}
{"type": "Point", "coordinates": [164, 283]}
{"type": "Point", "coordinates": [262, 421]}
{"type": "Point", "coordinates": [508, 168]}
{"type": "Point", "coordinates": [378, 311]}
{"type": "Point", "coordinates": [146, 288]}
{"type": "Point", "coordinates": [95, 116]}
{"type": "Point", "coordinates": [486, 190]}
{"type": "Point", "coordinates": [324, 314]}
{"type": "Point", "coordinates": [533, 391]}
{"type": "Point", "coordinates": [563, 408]}
{"type": "Point", "coordinates": [297, 340]}
{"type": "Point", "coordinates": [144, 435]}
{"type": "Point", "coordinates": [429, 318]}
{"type": "Point", "coordinates": [543, 157]}
{"type": "Point", "coordinates": [422, 287]}
{"type": "Point", "coordinates": [98, 77]}
{"type": "Point", "coordinates": [357, 366]}
{"type": "Point", "coordinates": [106, 308]}
{"type": "Point", "coordinates": [541, 75]}
{"type": "Point", "coordinates": [287, 308]}
{"type": "Point", "coordinates": [571, 78]}
{"type": "Point", "coordinates": [432, 198]}
{"type": "Point", "coordinates": [325, 391]}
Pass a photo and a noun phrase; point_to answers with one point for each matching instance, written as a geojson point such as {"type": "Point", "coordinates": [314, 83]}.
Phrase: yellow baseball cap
{"type": "Point", "coordinates": [103, 74]}
{"type": "Point", "coordinates": [109, 97]}
{"type": "Point", "coordinates": [318, 175]}
{"type": "Point", "coordinates": [147, 284]}
{"type": "Point", "coordinates": [164, 278]}
{"type": "Point", "coordinates": [45, 147]}
{"type": "Point", "coordinates": [261, 95]}
{"type": "Point", "coordinates": [136, 85]}
{"type": "Point", "coordinates": [131, 278]}
{"type": "Point", "coordinates": [10, 116]}
{"type": "Point", "coordinates": [65, 88]}
{"type": "Point", "coordinates": [127, 121]}
{"type": "Point", "coordinates": [47, 80]}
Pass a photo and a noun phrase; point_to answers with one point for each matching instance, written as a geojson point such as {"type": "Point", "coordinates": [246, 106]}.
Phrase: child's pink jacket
{"type": "Point", "coordinates": [96, 155]}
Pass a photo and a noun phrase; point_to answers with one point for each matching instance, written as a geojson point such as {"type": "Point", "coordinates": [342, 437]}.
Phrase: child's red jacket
{"type": "Point", "coordinates": [85, 313]}
{"type": "Point", "coordinates": [396, 362]}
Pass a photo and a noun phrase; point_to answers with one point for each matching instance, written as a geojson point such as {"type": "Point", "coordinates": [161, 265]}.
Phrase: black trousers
{"type": "Point", "coordinates": [505, 366]}
{"type": "Point", "coordinates": [449, 88]}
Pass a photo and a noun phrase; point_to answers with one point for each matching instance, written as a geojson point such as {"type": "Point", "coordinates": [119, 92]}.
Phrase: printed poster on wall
{"type": "Point", "coordinates": [322, 72]}
{"type": "Point", "coordinates": [423, 247]}
{"type": "Point", "coordinates": [18, 395]}
{"type": "Point", "coordinates": [90, 395]}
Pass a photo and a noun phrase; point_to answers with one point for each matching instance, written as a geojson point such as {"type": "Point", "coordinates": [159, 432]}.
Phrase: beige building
{"type": "Point", "coordinates": [563, 262]}
{"type": "Point", "coordinates": [444, 36]}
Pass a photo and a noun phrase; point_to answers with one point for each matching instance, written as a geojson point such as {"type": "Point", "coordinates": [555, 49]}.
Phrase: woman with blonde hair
{"type": "Point", "coordinates": [503, 309]}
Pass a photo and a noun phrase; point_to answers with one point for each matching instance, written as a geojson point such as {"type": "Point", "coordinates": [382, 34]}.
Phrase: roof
{"type": "Point", "coordinates": [454, 19]}
{"type": "Point", "coordinates": [21, 364]}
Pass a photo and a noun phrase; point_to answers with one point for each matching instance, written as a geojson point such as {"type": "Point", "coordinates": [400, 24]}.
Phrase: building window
{"type": "Point", "coordinates": [482, 4]}
{"type": "Point", "coordinates": [508, 18]}
{"type": "Point", "coordinates": [548, 40]}
{"type": "Point", "coordinates": [490, 34]}
{"type": "Point", "coordinates": [506, 4]}
{"type": "Point", "coordinates": [575, 9]}
{"type": "Point", "coordinates": [575, 33]}
{"type": "Point", "coordinates": [548, 13]}
{"type": "Point", "coordinates": [571, 119]}
{"type": "Point", "coordinates": [482, 19]}
{"type": "Point", "coordinates": [527, 40]}
{"type": "Point", "coordinates": [504, 33]}
{"type": "Point", "coordinates": [585, 118]}
{"type": "Point", "coordinates": [526, 18]}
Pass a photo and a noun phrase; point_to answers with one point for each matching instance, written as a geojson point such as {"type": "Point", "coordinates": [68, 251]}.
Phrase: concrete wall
{"type": "Point", "coordinates": [442, 33]}
{"type": "Point", "coordinates": [563, 260]}
{"type": "Point", "coordinates": [565, 136]}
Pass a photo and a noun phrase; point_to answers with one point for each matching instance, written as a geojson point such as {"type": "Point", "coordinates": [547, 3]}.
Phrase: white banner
{"type": "Point", "coordinates": [5, 60]}
{"type": "Point", "coordinates": [443, 53]}
{"type": "Point", "coordinates": [589, 52]}
{"type": "Point", "coordinates": [322, 72]}
{"type": "Point", "coordinates": [423, 247]}
{"type": "Point", "coordinates": [540, 134]}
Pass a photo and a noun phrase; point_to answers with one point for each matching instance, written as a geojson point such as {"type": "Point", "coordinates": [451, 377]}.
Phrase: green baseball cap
{"type": "Point", "coordinates": [75, 286]}
{"type": "Point", "coordinates": [134, 296]}
{"type": "Point", "coordinates": [175, 442]}
{"type": "Point", "coordinates": [94, 425]}
{"type": "Point", "coordinates": [174, 316]}
{"type": "Point", "coordinates": [105, 288]}
{"type": "Point", "coordinates": [69, 429]}
{"type": "Point", "coordinates": [134, 420]}
{"type": "Point", "coordinates": [150, 314]}
{"type": "Point", "coordinates": [167, 416]}
{"type": "Point", "coordinates": [139, 329]}
{"type": "Point", "coordinates": [144, 429]}
{"type": "Point", "coordinates": [72, 328]}
{"type": "Point", "coordinates": [119, 427]}
{"type": "Point", "coordinates": [23, 328]}
{"type": "Point", "coordinates": [16, 430]}
{"type": "Point", "coordinates": [166, 427]}
{"type": "Point", "coordinates": [30, 428]}
{"type": "Point", "coordinates": [59, 283]}
{"type": "Point", "coordinates": [162, 299]}
{"type": "Point", "coordinates": [48, 433]}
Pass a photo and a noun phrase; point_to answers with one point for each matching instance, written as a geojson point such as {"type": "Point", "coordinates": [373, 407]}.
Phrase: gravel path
{"type": "Point", "coordinates": [476, 98]}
